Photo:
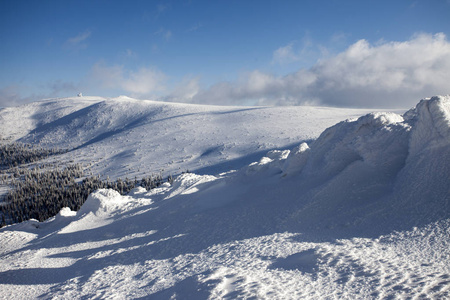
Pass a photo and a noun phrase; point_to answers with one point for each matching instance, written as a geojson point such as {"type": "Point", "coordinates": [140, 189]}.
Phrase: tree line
{"type": "Point", "coordinates": [40, 192]}
{"type": "Point", "coordinates": [16, 154]}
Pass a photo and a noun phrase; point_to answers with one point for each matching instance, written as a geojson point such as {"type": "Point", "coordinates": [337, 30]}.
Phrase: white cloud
{"type": "Point", "coordinates": [59, 87]}
{"type": "Point", "coordinates": [165, 33]}
{"type": "Point", "coordinates": [285, 54]}
{"type": "Point", "coordinates": [304, 51]}
{"type": "Point", "coordinates": [185, 91]}
{"type": "Point", "coordinates": [389, 74]}
{"type": "Point", "coordinates": [339, 37]}
{"type": "Point", "coordinates": [383, 75]}
{"type": "Point", "coordinates": [78, 42]}
{"type": "Point", "coordinates": [14, 95]}
{"type": "Point", "coordinates": [143, 82]}
{"type": "Point", "coordinates": [10, 96]}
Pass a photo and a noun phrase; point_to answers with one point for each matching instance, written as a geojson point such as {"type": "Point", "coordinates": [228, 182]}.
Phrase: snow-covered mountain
{"type": "Point", "coordinates": [280, 205]}
{"type": "Point", "coordinates": [127, 137]}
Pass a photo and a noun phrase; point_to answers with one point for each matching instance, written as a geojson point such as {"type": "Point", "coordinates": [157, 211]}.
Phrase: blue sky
{"type": "Point", "coordinates": [338, 53]}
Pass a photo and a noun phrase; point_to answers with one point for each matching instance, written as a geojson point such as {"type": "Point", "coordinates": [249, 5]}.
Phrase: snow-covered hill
{"type": "Point", "coordinates": [359, 211]}
{"type": "Point", "coordinates": [127, 137]}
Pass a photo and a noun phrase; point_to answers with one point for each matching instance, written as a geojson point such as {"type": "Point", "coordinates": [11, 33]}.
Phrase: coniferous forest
{"type": "Point", "coordinates": [39, 191]}
{"type": "Point", "coordinates": [15, 154]}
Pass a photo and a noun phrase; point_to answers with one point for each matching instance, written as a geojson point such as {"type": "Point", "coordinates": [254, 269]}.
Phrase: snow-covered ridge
{"type": "Point", "coordinates": [17, 122]}
{"type": "Point", "coordinates": [127, 137]}
{"type": "Point", "coordinates": [360, 212]}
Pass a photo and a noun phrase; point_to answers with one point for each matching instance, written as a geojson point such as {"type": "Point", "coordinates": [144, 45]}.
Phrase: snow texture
{"type": "Point", "coordinates": [362, 211]}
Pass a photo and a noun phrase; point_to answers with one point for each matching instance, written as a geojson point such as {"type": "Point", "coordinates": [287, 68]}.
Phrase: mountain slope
{"type": "Point", "coordinates": [127, 137]}
{"type": "Point", "coordinates": [360, 212]}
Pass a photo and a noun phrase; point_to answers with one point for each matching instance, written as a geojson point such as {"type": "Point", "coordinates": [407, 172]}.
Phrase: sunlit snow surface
{"type": "Point", "coordinates": [360, 212]}
{"type": "Point", "coordinates": [125, 137]}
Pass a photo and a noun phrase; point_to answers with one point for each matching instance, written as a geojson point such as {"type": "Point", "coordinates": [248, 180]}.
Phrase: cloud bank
{"type": "Point", "coordinates": [381, 75]}
{"type": "Point", "coordinates": [11, 95]}
{"type": "Point", "coordinates": [388, 74]}
{"type": "Point", "coordinates": [143, 82]}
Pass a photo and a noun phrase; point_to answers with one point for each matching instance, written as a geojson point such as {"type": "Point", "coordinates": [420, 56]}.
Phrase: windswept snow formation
{"type": "Point", "coordinates": [360, 212]}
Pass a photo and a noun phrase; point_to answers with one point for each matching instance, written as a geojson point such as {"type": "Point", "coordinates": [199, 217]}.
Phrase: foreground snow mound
{"type": "Point", "coordinates": [380, 167]}
{"type": "Point", "coordinates": [422, 188]}
{"type": "Point", "coordinates": [361, 212]}
{"type": "Point", "coordinates": [103, 201]}
{"type": "Point", "coordinates": [431, 119]}
{"type": "Point", "coordinates": [379, 140]}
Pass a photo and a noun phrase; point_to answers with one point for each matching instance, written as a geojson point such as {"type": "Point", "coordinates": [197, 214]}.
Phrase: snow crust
{"type": "Point", "coordinates": [360, 212]}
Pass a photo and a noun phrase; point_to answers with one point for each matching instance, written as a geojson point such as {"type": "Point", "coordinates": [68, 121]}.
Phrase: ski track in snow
{"type": "Point", "coordinates": [360, 212]}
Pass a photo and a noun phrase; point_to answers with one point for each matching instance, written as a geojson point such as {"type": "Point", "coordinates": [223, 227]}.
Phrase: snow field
{"type": "Point", "coordinates": [125, 137]}
{"type": "Point", "coordinates": [360, 212]}
{"type": "Point", "coordinates": [281, 265]}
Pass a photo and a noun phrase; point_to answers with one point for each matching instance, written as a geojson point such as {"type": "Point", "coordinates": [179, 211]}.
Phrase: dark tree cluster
{"type": "Point", "coordinates": [41, 191]}
{"type": "Point", "coordinates": [16, 154]}
{"type": "Point", "coordinates": [39, 195]}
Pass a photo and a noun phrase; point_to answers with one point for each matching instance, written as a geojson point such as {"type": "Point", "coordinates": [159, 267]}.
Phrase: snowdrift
{"type": "Point", "coordinates": [381, 170]}
{"type": "Point", "coordinates": [360, 212]}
